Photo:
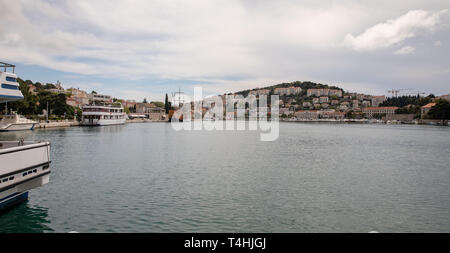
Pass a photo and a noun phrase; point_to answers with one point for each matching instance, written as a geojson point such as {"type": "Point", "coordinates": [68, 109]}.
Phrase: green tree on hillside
{"type": "Point", "coordinates": [440, 111]}
{"type": "Point", "coordinates": [167, 104]}
{"type": "Point", "coordinates": [56, 103]}
{"type": "Point", "coordinates": [158, 104]}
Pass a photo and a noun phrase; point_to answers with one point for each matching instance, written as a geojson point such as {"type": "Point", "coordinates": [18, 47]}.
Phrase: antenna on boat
{"type": "Point", "coordinates": [180, 101]}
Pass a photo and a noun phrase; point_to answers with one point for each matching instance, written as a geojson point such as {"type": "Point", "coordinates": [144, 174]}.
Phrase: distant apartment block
{"type": "Point", "coordinates": [287, 91]}
{"type": "Point", "coordinates": [331, 114]}
{"type": "Point", "coordinates": [324, 92]}
{"type": "Point", "coordinates": [370, 111]}
{"type": "Point", "coordinates": [306, 104]}
{"type": "Point", "coordinates": [377, 100]}
{"type": "Point", "coordinates": [259, 92]}
{"type": "Point", "coordinates": [307, 114]}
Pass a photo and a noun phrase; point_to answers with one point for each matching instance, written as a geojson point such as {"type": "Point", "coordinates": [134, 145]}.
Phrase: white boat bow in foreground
{"type": "Point", "coordinates": [23, 166]}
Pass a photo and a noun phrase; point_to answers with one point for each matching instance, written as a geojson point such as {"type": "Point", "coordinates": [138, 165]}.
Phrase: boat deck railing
{"type": "Point", "coordinates": [110, 105]}
{"type": "Point", "coordinates": [5, 65]}
{"type": "Point", "coordinates": [13, 144]}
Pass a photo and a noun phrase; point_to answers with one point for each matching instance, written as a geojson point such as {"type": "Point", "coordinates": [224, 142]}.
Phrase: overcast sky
{"type": "Point", "coordinates": [136, 49]}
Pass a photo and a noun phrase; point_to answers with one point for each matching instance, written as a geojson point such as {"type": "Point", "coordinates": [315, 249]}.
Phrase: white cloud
{"type": "Point", "coordinates": [175, 40]}
{"type": "Point", "coordinates": [227, 44]}
{"type": "Point", "coordinates": [405, 50]}
{"type": "Point", "coordinates": [394, 31]}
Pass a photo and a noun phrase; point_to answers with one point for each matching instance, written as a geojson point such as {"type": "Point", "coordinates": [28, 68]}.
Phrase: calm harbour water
{"type": "Point", "coordinates": [314, 178]}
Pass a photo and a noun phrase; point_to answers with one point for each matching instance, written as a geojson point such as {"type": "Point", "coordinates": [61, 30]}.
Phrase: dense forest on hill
{"type": "Point", "coordinates": [407, 100]}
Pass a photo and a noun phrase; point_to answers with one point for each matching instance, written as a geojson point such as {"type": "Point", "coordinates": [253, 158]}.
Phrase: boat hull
{"type": "Point", "coordinates": [103, 122]}
{"type": "Point", "coordinates": [22, 168]}
{"type": "Point", "coordinates": [13, 200]}
{"type": "Point", "coordinates": [17, 127]}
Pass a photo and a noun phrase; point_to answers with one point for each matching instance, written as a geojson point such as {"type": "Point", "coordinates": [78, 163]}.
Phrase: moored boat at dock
{"type": "Point", "coordinates": [24, 165]}
{"type": "Point", "coordinates": [103, 115]}
{"type": "Point", "coordinates": [16, 122]}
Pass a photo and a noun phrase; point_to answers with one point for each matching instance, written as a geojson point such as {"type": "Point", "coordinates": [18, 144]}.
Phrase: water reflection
{"type": "Point", "coordinates": [25, 218]}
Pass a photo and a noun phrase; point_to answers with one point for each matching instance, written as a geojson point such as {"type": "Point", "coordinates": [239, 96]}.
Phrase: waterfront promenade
{"type": "Point", "coordinates": [61, 124]}
{"type": "Point", "coordinates": [57, 124]}
{"type": "Point", "coordinates": [72, 123]}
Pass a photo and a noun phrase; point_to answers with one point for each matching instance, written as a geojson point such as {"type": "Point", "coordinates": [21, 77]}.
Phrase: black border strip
{"type": "Point", "coordinates": [276, 242]}
{"type": "Point", "coordinates": [24, 181]}
{"type": "Point", "coordinates": [13, 151]}
{"type": "Point", "coordinates": [28, 168]}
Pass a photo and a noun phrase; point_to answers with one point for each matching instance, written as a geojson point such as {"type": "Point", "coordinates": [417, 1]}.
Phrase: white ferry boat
{"type": "Point", "coordinates": [103, 115]}
{"type": "Point", "coordinates": [24, 165]}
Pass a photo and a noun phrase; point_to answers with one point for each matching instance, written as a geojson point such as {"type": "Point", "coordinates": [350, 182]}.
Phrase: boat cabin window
{"type": "Point", "coordinates": [11, 79]}
{"type": "Point", "coordinates": [9, 86]}
{"type": "Point", "coordinates": [94, 110]}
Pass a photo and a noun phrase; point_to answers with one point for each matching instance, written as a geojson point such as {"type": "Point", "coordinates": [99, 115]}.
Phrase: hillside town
{"type": "Point", "coordinates": [306, 101]}
{"type": "Point", "coordinates": [299, 101]}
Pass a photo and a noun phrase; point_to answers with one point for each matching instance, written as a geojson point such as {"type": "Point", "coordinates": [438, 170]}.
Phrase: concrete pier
{"type": "Point", "coordinates": [54, 124]}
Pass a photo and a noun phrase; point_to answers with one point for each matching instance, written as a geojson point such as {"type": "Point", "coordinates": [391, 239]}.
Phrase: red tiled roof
{"type": "Point", "coordinates": [429, 105]}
